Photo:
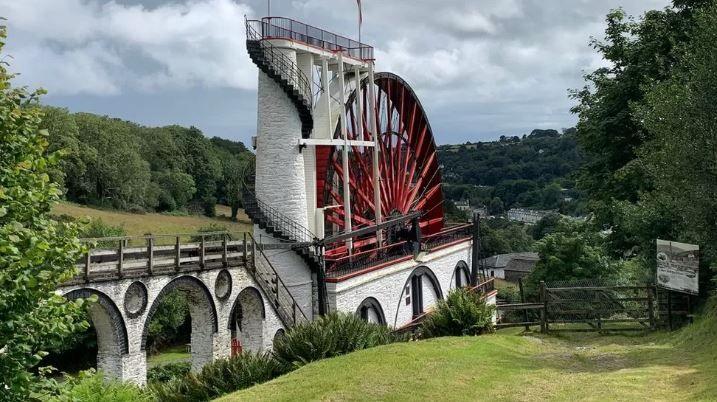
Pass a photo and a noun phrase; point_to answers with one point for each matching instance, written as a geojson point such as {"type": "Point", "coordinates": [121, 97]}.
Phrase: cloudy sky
{"type": "Point", "coordinates": [481, 68]}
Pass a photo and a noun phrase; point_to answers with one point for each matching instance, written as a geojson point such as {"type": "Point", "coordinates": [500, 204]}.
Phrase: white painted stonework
{"type": "Point", "coordinates": [390, 286]}
{"type": "Point", "coordinates": [211, 326]}
{"type": "Point", "coordinates": [280, 176]}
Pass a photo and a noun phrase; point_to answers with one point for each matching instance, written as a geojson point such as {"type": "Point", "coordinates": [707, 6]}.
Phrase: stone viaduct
{"type": "Point", "coordinates": [232, 294]}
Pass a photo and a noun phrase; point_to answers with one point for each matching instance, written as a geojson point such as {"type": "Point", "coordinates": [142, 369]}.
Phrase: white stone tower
{"type": "Point", "coordinates": [299, 66]}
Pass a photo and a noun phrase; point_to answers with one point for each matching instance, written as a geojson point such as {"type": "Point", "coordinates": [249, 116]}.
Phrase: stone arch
{"type": "Point", "coordinates": [370, 310]}
{"type": "Point", "coordinates": [278, 334]}
{"type": "Point", "coordinates": [246, 319]}
{"type": "Point", "coordinates": [203, 314]}
{"type": "Point", "coordinates": [424, 279]}
{"type": "Point", "coordinates": [112, 339]}
{"type": "Point", "coordinates": [461, 275]}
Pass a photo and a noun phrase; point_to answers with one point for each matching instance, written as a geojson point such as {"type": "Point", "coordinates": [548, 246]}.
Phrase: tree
{"type": "Point", "coordinates": [681, 157]}
{"type": "Point", "coordinates": [640, 54]}
{"type": "Point", "coordinates": [572, 252]}
{"type": "Point", "coordinates": [496, 206]}
{"type": "Point", "coordinates": [36, 253]}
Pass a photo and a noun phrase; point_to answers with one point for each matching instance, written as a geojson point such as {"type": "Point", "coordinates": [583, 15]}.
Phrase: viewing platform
{"type": "Point", "coordinates": [289, 29]}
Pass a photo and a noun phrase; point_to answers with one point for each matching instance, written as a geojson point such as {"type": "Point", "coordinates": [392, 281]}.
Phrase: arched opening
{"type": "Point", "coordinates": [461, 275]}
{"type": "Point", "coordinates": [420, 292]}
{"type": "Point", "coordinates": [203, 315]}
{"type": "Point", "coordinates": [370, 310]}
{"type": "Point", "coordinates": [107, 327]}
{"type": "Point", "coordinates": [246, 320]}
{"type": "Point", "coordinates": [279, 334]}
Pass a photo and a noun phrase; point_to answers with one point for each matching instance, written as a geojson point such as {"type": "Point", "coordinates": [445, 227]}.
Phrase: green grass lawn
{"type": "Point", "coordinates": [173, 354]}
{"type": "Point", "coordinates": [140, 224]}
{"type": "Point", "coordinates": [509, 366]}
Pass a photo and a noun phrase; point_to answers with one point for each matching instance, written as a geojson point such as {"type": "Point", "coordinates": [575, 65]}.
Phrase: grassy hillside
{"type": "Point", "coordinates": [139, 224]}
{"type": "Point", "coordinates": [512, 367]}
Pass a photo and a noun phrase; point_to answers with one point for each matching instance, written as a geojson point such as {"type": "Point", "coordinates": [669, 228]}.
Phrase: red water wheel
{"type": "Point", "coordinates": [409, 172]}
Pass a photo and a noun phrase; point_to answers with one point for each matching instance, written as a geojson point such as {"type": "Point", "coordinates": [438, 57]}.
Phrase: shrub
{"type": "Point", "coordinates": [211, 228]}
{"type": "Point", "coordinates": [329, 336]}
{"type": "Point", "coordinates": [220, 377]}
{"type": "Point", "coordinates": [98, 228]}
{"type": "Point", "coordinates": [462, 313]}
{"type": "Point", "coordinates": [167, 372]}
{"type": "Point", "coordinates": [90, 386]}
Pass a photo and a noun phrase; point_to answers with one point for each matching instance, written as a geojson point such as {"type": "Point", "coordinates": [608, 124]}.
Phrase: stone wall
{"type": "Point", "coordinates": [119, 312]}
{"type": "Point", "coordinates": [390, 286]}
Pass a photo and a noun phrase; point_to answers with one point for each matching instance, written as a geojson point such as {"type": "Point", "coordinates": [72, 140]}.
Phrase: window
{"type": "Point", "coordinates": [417, 290]}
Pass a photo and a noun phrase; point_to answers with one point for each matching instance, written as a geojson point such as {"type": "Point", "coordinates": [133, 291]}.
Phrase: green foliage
{"type": "Point", "coordinates": [462, 313]}
{"type": "Point", "coordinates": [98, 228]}
{"type": "Point", "coordinates": [165, 327]}
{"type": "Point", "coordinates": [681, 156]}
{"type": "Point", "coordinates": [574, 251]}
{"type": "Point", "coordinates": [545, 226]}
{"type": "Point", "coordinates": [176, 189]}
{"type": "Point", "coordinates": [219, 377]}
{"type": "Point", "coordinates": [641, 54]}
{"type": "Point", "coordinates": [90, 386]}
{"type": "Point", "coordinates": [332, 335]}
{"type": "Point", "coordinates": [167, 372]}
{"type": "Point", "coordinates": [532, 172]}
{"type": "Point", "coordinates": [36, 253]}
{"type": "Point", "coordinates": [119, 164]}
{"type": "Point", "coordinates": [501, 236]}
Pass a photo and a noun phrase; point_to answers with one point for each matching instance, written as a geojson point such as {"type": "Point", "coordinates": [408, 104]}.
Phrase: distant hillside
{"type": "Point", "coordinates": [535, 171]}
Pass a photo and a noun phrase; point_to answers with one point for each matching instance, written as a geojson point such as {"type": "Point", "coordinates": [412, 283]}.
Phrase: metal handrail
{"type": "Point", "coordinates": [293, 316]}
{"type": "Point", "coordinates": [294, 230]}
{"type": "Point", "coordinates": [288, 70]}
{"type": "Point", "coordinates": [287, 28]}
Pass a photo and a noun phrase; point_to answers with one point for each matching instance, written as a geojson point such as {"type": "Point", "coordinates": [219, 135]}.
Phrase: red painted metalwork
{"type": "Point", "coordinates": [409, 172]}
{"type": "Point", "coordinates": [236, 347]}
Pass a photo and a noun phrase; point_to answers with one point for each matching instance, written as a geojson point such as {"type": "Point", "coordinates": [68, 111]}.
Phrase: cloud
{"type": "Point", "coordinates": [88, 47]}
{"type": "Point", "coordinates": [480, 67]}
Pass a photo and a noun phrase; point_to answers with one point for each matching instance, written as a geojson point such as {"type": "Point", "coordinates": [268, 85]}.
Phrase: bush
{"type": "Point", "coordinates": [332, 335]}
{"type": "Point", "coordinates": [211, 228]}
{"type": "Point", "coordinates": [220, 377]}
{"type": "Point", "coordinates": [98, 228]}
{"type": "Point", "coordinates": [168, 372]}
{"type": "Point", "coordinates": [462, 313]}
{"type": "Point", "coordinates": [90, 386]}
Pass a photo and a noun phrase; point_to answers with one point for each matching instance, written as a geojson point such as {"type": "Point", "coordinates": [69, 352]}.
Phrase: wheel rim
{"type": "Point", "coordinates": [409, 172]}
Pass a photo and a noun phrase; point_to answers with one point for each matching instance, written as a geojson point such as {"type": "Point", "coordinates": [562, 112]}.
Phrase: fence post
{"type": "Point", "coordinates": [522, 300]}
{"type": "Point", "coordinates": [201, 253]}
{"type": "Point", "coordinates": [88, 261]}
{"type": "Point", "coordinates": [669, 308]}
{"type": "Point", "coordinates": [544, 310]}
{"type": "Point", "coordinates": [177, 254]}
{"type": "Point", "coordinates": [225, 259]}
{"type": "Point", "coordinates": [253, 254]}
{"type": "Point", "coordinates": [245, 250]}
{"type": "Point", "coordinates": [650, 307]}
{"type": "Point", "coordinates": [120, 258]}
{"type": "Point", "coordinates": [150, 254]}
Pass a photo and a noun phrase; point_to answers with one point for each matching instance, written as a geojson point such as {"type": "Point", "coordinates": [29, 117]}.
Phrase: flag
{"type": "Point", "coordinates": [359, 7]}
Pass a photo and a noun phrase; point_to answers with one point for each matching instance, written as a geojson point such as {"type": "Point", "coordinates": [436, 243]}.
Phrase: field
{"type": "Point", "coordinates": [140, 224]}
{"type": "Point", "coordinates": [510, 366]}
{"type": "Point", "coordinates": [173, 354]}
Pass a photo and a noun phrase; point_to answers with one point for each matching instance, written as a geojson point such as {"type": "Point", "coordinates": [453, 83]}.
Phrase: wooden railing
{"type": "Point", "coordinates": [113, 258]}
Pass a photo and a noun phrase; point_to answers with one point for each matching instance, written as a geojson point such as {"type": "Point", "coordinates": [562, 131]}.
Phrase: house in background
{"type": "Point", "coordinates": [510, 267]}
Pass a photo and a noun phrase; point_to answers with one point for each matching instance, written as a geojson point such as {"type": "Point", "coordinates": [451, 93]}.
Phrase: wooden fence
{"type": "Point", "coordinates": [586, 308]}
